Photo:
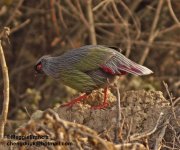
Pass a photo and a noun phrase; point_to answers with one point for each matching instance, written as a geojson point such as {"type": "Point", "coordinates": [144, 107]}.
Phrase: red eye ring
{"type": "Point", "coordinates": [39, 67]}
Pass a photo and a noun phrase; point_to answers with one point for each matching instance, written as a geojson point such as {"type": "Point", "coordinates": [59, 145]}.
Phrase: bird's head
{"type": "Point", "coordinates": [38, 68]}
{"type": "Point", "coordinates": [40, 64]}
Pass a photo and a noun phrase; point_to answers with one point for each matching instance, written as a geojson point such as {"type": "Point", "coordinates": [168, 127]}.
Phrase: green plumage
{"type": "Point", "coordinates": [71, 77]}
{"type": "Point", "coordinates": [82, 75]}
{"type": "Point", "coordinates": [93, 59]}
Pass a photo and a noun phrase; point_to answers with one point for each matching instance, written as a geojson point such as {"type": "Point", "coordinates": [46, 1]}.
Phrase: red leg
{"type": "Point", "coordinates": [73, 101]}
{"type": "Point", "coordinates": [105, 104]}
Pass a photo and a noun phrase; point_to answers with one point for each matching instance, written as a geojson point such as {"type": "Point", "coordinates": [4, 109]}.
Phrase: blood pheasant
{"type": "Point", "coordinates": [89, 68]}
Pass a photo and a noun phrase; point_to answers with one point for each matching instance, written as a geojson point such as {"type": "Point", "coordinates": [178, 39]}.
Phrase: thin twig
{"type": "Point", "coordinates": [20, 26]}
{"type": "Point", "coordinates": [80, 15]}
{"type": "Point", "coordinates": [176, 101]}
{"type": "Point", "coordinates": [27, 112]}
{"type": "Point", "coordinates": [169, 29]}
{"type": "Point", "coordinates": [91, 22]}
{"type": "Point", "coordinates": [13, 15]}
{"type": "Point", "coordinates": [54, 19]}
{"type": "Point", "coordinates": [167, 90]}
{"type": "Point", "coordinates": [171, 102]}
{"type": "Point", "coordinates": [130, 146]}
{"type": "Point", "coordinates": [135, 137]}
{"type": "Point", "coordinates": [133, 18]}
{"type": "Point", "coordinates": [4, 113]}
{"type": "Point", "coordinates": [118, 118]}
{"type": "Point", "coordinates": [126, 25]}
{"type": "Point", "coordinates": [153, 32]}
{"type": "Point", "coordinates": [133, 6]}
{"type": "Point", "coordinates": [161, 135]}
{"type": "Point", "coordinates": [176, 134]}
{"type": "Point", "coordinates": [172, 12]}
{"type": "Point", "coordinates": [100, 5]}
{"type": "Point", "coordinates": [60, 12]}
{"type": "Point", "coordinates": [129, 129]}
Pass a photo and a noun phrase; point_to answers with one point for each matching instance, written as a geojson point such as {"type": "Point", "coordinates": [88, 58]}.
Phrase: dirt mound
{"type": "Point", "coordinates": [140, 111]}
{"type": "Point", "coordinates": [148, 120]}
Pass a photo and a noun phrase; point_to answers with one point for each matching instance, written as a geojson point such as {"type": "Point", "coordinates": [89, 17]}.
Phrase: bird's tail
{"type": "Point", "coordinates": [135, 69]}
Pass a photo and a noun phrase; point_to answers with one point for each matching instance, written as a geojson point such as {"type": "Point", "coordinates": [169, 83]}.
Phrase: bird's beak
{"type": "Point", "coordinates": [35, 73]}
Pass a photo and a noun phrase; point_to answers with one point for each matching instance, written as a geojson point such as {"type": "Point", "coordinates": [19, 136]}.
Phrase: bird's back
{"type": "Point", "coordinates": [91, 57]}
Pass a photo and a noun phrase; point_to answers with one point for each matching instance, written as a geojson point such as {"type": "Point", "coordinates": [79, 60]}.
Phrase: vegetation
{"type": "Point", "coordinates": [147, 31]}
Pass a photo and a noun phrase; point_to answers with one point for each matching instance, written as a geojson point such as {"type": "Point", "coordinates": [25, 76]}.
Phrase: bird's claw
{"type": "Point", "coordinates": [69, 105]}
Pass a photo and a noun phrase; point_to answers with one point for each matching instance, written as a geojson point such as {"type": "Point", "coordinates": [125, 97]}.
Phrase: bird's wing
{"type": "Point", "coordinates": [110, 60]}
{"type": "Point", "coordinates": [91, 57]}
{"type": "Point", "coordinates": [87, 58]}
{"type": "Point", "coordinates": [83, 59]}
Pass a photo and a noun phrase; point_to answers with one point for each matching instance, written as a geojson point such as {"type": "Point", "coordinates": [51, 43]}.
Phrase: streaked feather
{"type": "Point", "coordinates": [89, 67]}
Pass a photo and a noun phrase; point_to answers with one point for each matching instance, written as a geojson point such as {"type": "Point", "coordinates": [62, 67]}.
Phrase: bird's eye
{"type": "Point", "coordinates": [39, 66]}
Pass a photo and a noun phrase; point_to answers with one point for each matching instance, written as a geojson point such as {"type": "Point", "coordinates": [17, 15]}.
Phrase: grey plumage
{"type": "Point", "coordinates": [89, 67]}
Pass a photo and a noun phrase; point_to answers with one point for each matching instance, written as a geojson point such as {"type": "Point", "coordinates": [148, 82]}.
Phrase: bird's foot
{"type": "Point", "coordinates": [74, 101]}
{"type": "Point", "coordinates": [102, 106]}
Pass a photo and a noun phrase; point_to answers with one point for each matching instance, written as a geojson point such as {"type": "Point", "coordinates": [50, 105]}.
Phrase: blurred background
{"type": "Point", "coordinates": [147, 31]}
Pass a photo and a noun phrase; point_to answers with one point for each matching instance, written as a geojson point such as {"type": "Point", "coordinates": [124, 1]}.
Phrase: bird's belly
{"type": "Point", "coordinates": [86, 81]}
{"type": "Point", "coordinates": [78, 80]}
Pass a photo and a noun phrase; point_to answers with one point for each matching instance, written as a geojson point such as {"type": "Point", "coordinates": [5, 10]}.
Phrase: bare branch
{"type": "Point", "coordinates": [171, 102]}
{"type": "Point", "coordinates": [100, 5]}
{"type": "Point", "coordinates": [118, 118]}
{"type": "Point", "coordinates": [6, 92]}
{"type": "Point", "coordinates": [172, 12]}
{"type": "Point", "coordinates": [54, 18]}
{"type": "Point", "coordinates": [20, 26]}
{"type": "Point", "coordinates": [153, 33]}
{"type": "Point", "coordinates": [91, 22]}
{"type": "Point", "coordinates": [78, 13]}
{"type": "Point", "coordinates": [160, 137]}
{"type": "Point", "coordinates": [19, 4]}
{"type": "Point", "coordinates": [135, 137]}
{"type": "Point", "coordinates": [133, 18]}
{"type": "Point", "coordinates": [126, 25]}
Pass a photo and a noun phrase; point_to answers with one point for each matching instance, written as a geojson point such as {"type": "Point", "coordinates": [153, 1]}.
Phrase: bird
{"type": "Point", "coordinates": [89, 68]}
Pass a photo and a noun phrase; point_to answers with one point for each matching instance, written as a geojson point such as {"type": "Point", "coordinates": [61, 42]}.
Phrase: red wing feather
{"type": "Point", "coordinates": [108, 70]}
